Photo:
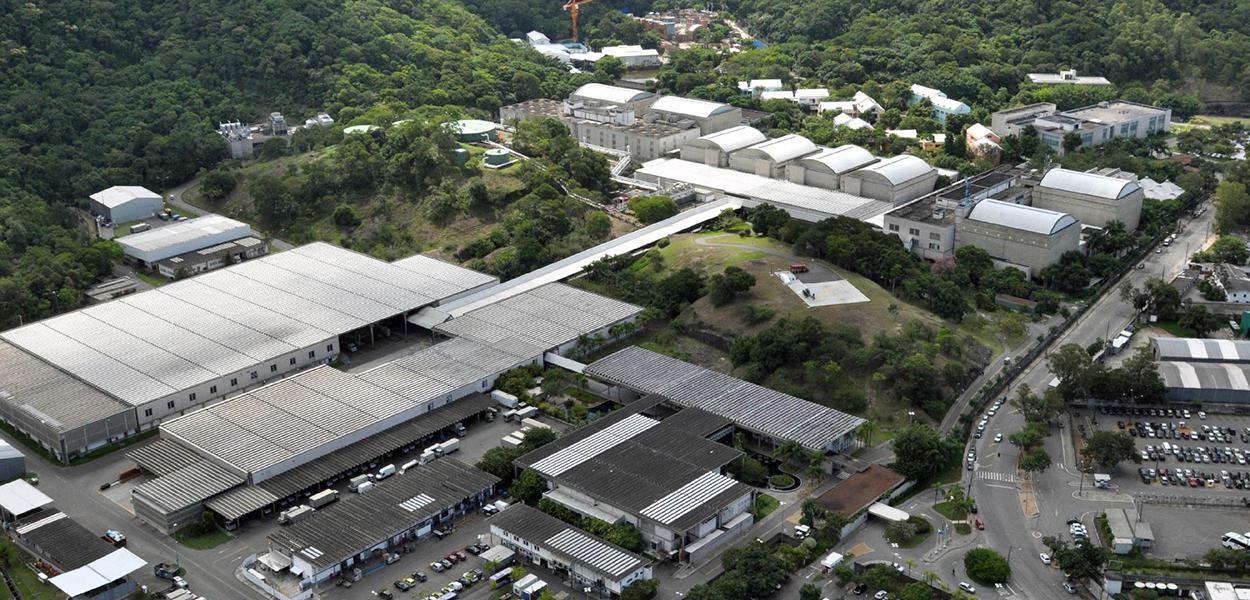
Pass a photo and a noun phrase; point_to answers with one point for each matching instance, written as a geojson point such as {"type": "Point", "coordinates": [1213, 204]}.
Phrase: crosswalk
{"type": "Point", "coordinates": [992, 476]}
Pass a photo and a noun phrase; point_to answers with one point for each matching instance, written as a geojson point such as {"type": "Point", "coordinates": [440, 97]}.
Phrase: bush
{"type": "Point", "coordinates": [218, 184]}
{"type": "Point", "coordinates": [643, 589]}
{"type": "Point", "coordinates": [900, 532]}
{"type": "Point", "coordinates": [986, 566]}
{"type": "Point", "coordinates": [345, 216]}
{"type": "Point", "coordinates": [754, 315]}
{"type": "Point", "coordinates": [652, 209]}
{"type": "Point", "coordinates": [782, 481]}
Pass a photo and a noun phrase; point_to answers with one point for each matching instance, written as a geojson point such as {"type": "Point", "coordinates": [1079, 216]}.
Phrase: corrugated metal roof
{"type": "Point", "coordinates": [898, 170]}
{"type": "Point", "coordinates": [121, 194]}
{"type": "Point", "coordinates": [209, 226]}
{"type": "Point", "coordinates": [241, 501]}
{"type": "Point", "coordinates": [1088, 183]}
{"type": "Point", "coordinates": [594, 445]}
{"type": "Point", "coordinates": [163, 456]}
{"type": "Point", "coordinates": [1206, 376]}
{"type": "Point", "coordinates": [732, 139]}
{"type": "Point", "coordinates": [571, 544]}
{"type": "Point", "coordinates": [1201, 349]}
{"type": "Point", "coordinates": [689, 107]}
{"type": "Point", "coordinates": [783, 149]}
{"type": "Point", "coordinates": [688, 497]}
{"type": "Point", "coordinates": [1019, 216]}
{"type": "Point", "coordinates": [52, 397]}
{"type": "Point", "coordinates": [840, 160]}
{"type": "Point", "coordinates": [187, 486]}
{"type": "Point", "coordinates": [750, 406]}
{"type": "Point", "coordinates": [610, 93]}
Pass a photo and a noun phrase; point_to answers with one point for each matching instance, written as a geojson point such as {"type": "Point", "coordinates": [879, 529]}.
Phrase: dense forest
{"type": "Point", "coordinates": [129, 92]}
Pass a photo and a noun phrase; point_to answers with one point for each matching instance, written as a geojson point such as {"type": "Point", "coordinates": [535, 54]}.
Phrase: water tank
{"type": "Point", "coordinates": [474, 130]}
{"type": "Point", "coordinates": [497, 156]}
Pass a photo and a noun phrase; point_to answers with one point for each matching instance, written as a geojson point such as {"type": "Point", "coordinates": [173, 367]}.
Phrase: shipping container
{"type": "Point", "coordinates": [449, 446]}
{"type": "Point", "coordinates": [323, 498]}
{"type": "Point", "coordinates": [504, 398]}
{"type": "Point", "coordinates": [526, 412]}
{"type": "Point", "coordinates": [357, 481]}
{"type": "Point", "coordinates": [293, 515]}
{"type": "Point", "coordinates": [364, 487]}
{"type": "Point", "coordinates": [534, 424]}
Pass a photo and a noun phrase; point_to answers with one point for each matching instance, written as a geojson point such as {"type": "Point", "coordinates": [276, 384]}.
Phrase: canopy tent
{"type": "Point", "coordinates": [887, 512]}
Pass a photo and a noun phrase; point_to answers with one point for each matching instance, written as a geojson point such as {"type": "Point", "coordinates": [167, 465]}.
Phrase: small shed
{"type": "Point", "coordinates": [126, 203]}
{"type": "Point", "coordinates": [19, 498]}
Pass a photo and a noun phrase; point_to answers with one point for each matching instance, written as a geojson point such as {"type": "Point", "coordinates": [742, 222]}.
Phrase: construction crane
{"type": "Point", "coordinates": [571, 6]}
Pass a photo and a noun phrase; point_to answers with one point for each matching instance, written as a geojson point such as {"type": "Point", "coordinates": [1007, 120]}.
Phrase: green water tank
{"type": "Point", "coordinates": [461, 156]}
{"type": "Point", "coordinates": [497, 156]}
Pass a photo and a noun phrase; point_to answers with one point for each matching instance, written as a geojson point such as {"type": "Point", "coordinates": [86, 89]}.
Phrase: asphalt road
{"type": "Point", "coordinates": [174, 196]}
{"type": "Point", "coordinates": [993, 485]}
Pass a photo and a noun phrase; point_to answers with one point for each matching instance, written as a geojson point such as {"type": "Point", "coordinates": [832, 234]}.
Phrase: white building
{"type": "Point", "coordinates": [633, 57]}
{"type": "Point", "coordinates": [1015, 235]}
{"type": "Point", "coordinates": [709, 116]}
{"type": "Point", "coordinates": [942, 106]}
{"type": "Point", "coordinates": [1093, 199]}
{"type": "Point", "coordinates": [757, 86]}
{"type": "Point", "coordinates": [826, 168]}
{"type": "Point", "coordinates": [604, 95]}
{"type": "Point", "coordinates": [769, 158]}
{"type": "Point", "coordinates": [1095, 124]}
{"type": "Point", "coordinates": [714, 149]}
{"type": "Point", "coordinates": [155, 245]}
{"type": "Point", "coordinates": [845, 120]}
{"type": "Point", "coordinates": [895, 180]}
{"type": "Point", "coordinates": [1068, 77]}
{"type": "Point", "coordinates": [126, 203]}
{"type": "Point", "coordinates": [860, 104]}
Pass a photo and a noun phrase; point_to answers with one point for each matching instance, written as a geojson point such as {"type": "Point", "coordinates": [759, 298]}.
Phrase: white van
{"type": "Point", "coordinates": [385, 472]}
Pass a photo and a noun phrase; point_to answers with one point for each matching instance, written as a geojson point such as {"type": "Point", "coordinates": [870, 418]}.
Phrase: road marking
{"type": "Point", "coordinates": [992, 476]}
{"type": "Point", "coordinates": [1002, 487]}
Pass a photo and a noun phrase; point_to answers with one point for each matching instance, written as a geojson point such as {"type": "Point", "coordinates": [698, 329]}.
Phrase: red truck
{"type": "Point", "coordinates": [798, 268]}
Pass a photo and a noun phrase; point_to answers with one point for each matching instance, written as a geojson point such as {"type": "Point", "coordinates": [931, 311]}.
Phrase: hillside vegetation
{"type": "Point", "coordinates": [97, 94]}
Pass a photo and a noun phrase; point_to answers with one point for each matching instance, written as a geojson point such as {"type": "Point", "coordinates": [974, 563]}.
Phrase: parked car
{"type": "Point", "coordinates": [1068, 587]}
{"type": "Point", "coordinates": [420, 576]}
{"type": "Point", "coordinates": [967, 587]}
{"type": "Point", "coordinates": [859, 589]}
{"type": "Point", "coordinates": [437, 567]}
{"type": "Point", "coordinates": [405, 584]}
{"type": "Point", "coordinates": [1045, 558]}
{"type": "Point", "coordinates": [880, 595]}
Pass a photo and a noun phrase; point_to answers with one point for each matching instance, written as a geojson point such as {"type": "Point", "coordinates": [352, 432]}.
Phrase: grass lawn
{"type": "Point", "coordinates": [28, 584]}
{"type": "Point", "coordinates": [963, 528]}
{"type": "Point", "coordinates": [1217, 120]}
{"type": "Point", "coordinates": [150, 279]}
{"type": "Point", "coordinates": [950, 511]}
{"type": "Point", "coordinates": [1174, 328]}
{"type": "Point", "coordinates": [764, 506]}
{"type": "Point", "coordinates": [920, 537]}
{"type": "Point", "coordinates": [212, 539]}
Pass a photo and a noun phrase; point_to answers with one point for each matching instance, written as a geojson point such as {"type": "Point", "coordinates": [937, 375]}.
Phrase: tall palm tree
{"type": "Point", "coordinates": [911, 566]}
{"type": "Point", "coordinates": [790, 451]}
{"type": "Point", "coordinates": [866, 430]}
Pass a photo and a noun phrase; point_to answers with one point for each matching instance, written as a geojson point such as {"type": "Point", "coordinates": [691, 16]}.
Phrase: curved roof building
{"type": "Point", "coordinates": [1092, 198]}
{"type": "Point", "coordinates": [711, 117]}
{"type": "Point", "coordinates": [826, 168]}
{"type": "Point", "coordinates": [896, 179]}
{"type": "Point", "coordinates": [1019, 216]}
{"type": "Point", "coordinates": [768, 158]}
{"type": "Point", "coordinates": [714, 149]}
{"type": "Point", "coordinates": [1090, 184]}
{"type": "Point", "coordinates": [611, 94]}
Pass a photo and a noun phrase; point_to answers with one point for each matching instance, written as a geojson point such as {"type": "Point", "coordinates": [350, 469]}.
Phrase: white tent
{"type": "Point", "coordinates": [887, 512]}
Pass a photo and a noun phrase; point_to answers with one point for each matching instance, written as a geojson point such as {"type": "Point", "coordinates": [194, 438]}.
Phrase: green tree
{"type": "Point", "coordinates": [986, 566]}
{"type": "Point", "coordinates": [1227, 249]}
{"type": "Point", "coordinates": [217, 184]}
{"type": "Point", "coordinates": [642, 589]}
{"type": "Point", "coordinates": [809, 591]}
{"type": "Point", "coordinates": [652, 209]}
{"type": "Point", "coordinates": [528, 488]}
{"type": "Point", "coordinates": [345, 216]}
{"type": "Point", "coordinates": [598, 225]}
{"type": "Point", "coordinates": [609, 68]}
{"type": "Point", "coordinates": [1232, 207]}
{"type": "Point", "coordinates": [1035, 461]}
{"type": "Point", "coordinates": [920, 454]}
{"type": "Point", "coordinates": [1109, 448]}
{"type": "Point", "coordinates": [916, 591]}
{"type": "Point", "coordinates": [1199, 320]}
{"type": "Point", "coordinates": [1080, 561]}
{"type": "Point", "coordinates": [1071, 142]}
{"type": "Point", "coordinates": [723, 288]}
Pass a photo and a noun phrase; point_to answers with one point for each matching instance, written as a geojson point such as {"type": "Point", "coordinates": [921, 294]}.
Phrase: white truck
{"type": "Point", "coordinates": [293, 515]}
{"type": "Point", "coordinates": [385, 472]}
{"type": "Point", "coordinates": [323, 498]}
{"type": "Point", "coordinates": [449, 446]}
{"type": "Point", "coordinates": [504, 398]}
{"type": "Point", "coordinates": [526, 412]}
{"type": "Point", "coordinates": [355, 482]}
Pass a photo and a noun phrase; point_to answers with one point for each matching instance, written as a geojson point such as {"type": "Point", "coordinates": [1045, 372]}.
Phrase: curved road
{"type": "Point", "coordinates": [174, 197]}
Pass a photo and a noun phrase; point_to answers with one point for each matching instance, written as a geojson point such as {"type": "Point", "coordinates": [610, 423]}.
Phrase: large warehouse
{"type": "Point", "coordinates": [768, 415]}
{"type": "Point", "coordinates": [804, 202]}
{"type": "Point", "coordinates": [652, 466]}
{"type": "Point", "coordinates": [1204, 370]}
{"type": "Point", "coordinates": [714, 149]}
{"type": "Point", "coordinates": [710, 117]}
{"type": "Point", "coordinates": [769, 158]}
{"type": "Point", "coordinates": [1093, 199]}
{"type": "Point", "coordinates": [895, 180]}
{"type": "Point", "coordinates": [126, 203]}
{"type": "Point", "coordinates": [143, 357]}
{"type": "Point", "coordinates": [1024, 237]}
{"type": "Point", "coordinates": [155, 245]}
{"type": "Point", "coordinates": [826, 168]}
{"type": "Point", "coordinates": [556, 545]}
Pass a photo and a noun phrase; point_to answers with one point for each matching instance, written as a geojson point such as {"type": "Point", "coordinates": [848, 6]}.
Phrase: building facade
{"type": "Point", "coordinates": [1014, 235]}
{"type": "Point", "coordinates": [896, 180]}
{"type": "Point", "coordinates": [769, 158]}
{"type": "Point", "coordinates": [126, 203]}
{"type": "Point", "coordinates": [1091, 198]}
{"type": "Point", "coordinates": [1095, 125]}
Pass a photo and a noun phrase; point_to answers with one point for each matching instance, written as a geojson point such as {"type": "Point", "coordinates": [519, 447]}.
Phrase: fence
{"type": "Point", "coordinates": [1206, 501]}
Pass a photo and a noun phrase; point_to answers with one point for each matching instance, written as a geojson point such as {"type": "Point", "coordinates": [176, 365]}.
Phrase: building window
{"type": "Point", "coordinates": [312, 354]}
{"type": "Point", "coordinates": [191, 396]}
{"type": "Point", "coordinates": [234, 383]}
{"type": "Point", "coordinates": [292, 361]}
{"type": "Point", "coordinates": [253, 374]}
{"type": "Point", "coordinates": [147, 412]}
{"type": "Point", "coordinates": [212, 389]}
{"type": "Point", "coordinates": [893, 227]}
{"type": "Point", "coordinates": [935, 236]}
{"type": "Point", "coordinates": [169, 404]}
{"type": "Point", "coordinates": [329, 347]}
{"type": "Point", "coordinates": [913, 231]}
{"type": "Point", "coordinates": [273, 368]}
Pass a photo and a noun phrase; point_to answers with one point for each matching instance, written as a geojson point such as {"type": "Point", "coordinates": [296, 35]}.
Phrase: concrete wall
{"type": "Point", "coordinates": [871, 185]}
{"type": "Point", "coordinates": [708, 154]}
{"type": "Point", "coordinates": [800, 173]}
{"type": "Point", "coordinates": [1091, 210]}
{"type": "Point", "coordinates": [632, 139]}
{"type": "Point", "coordinates": [71, 442]}
{"type": "Point", "coordinates": [1033, 250]}
{"type": "Point", "coordinates": [133, 210]}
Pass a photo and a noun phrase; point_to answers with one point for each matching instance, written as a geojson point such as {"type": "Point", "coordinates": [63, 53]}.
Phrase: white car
{"type": "Point", "coordinates": [880, 595]}
{"type": "Point", "coordinates": [1202, 415]}
{"type": "Point", "coordinates": [967, 587]}
{"type": "Point", "coordinates": [179, 582]}
{"type": "Point", "coordinates": [998, 437]}
{"type": "Point", "coordinates": [1045, 558]}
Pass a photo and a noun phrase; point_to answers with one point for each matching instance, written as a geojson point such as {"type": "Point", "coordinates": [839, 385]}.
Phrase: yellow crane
{"type": "Point", "coordinates": [571, 6]}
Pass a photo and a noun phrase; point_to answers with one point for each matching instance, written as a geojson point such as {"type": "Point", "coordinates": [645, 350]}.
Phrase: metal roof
{"type": "Point", "coordinates": [569, 543]}
{"type": "Point", "coordinates": [145, 346]}
{"type": "Point", "coordinates": [1091, 184]}
{"type": "Point", "coordinates": [690, 107]}
{"type": "Point", "coordinates": [610, 93]}
{"type": "Point", "coordinates": [98, 573]}
{"type": "Point", "coordinates": [187, 486]}
{"type": "Point", "coordinates": [590, 447]}
{"type": "Point", "coordinates": [754, 187]}
{"type": "Point", "coordinates": [528, 324]}
{"type": "Point", "coordinates": [783, 149]}
{"type": "Point", "coordinates": [163, 456]}
{"type": "Point", "coordinates": [1019, 216]}
{"type": "Point", "coordinates": [750, 406]}
{"type": "Point", "coordinates": [688, 497]}
{"type": "Point", "coordinates": [50, 396]}
{"type": "Point", "coordinates": [840, 160]}
{"type": "Point", "coordinates": [61, 540]}
{"type": "Point", "coordinates": [734, 138]}
{"type": "Point", "coordinates": [330, 536]}
{"type": "Point", "coordinates": [898, 170]}
{"type": "Point", "coordinates": [185, 236]}
{"type": "Point", "coordinates": [19, 497]}
{"type": "Point", "coordinates": [1201, 349]}
{"type": "Point", "coordinates": [121, 194]}
{"type": "Point", "coordinates": [1205, 376]}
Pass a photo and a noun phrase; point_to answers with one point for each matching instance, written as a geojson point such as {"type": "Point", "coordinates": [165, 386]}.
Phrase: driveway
{"type": "Point", "coordinates": [175, 196]}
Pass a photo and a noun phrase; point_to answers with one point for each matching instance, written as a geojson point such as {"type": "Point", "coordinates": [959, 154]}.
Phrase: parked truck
{"type": "Point", "coordinates": [355, 482]}
{"type": "Point", "coordinates": [140, 227]}
{"type": "Point", "coordinates": [295, 515]}
{"type": "Point", "coordinates": [526, 413]}
{"type": "Point", "coordinates": [504, 398]}
{"type": "Point", "coordinates": [385, 472]}
{"type": "Point", "coordinates": [323, 498]}
{"type": "Point", "coordinates": [449, 446]}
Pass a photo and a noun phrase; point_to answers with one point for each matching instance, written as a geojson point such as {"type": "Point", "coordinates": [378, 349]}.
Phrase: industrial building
{"type": "Point", "coordinates": [1068, 77]}
{"type": "Point", "coordinates": [714, 149]}
{"type": "Point", "coordinates": [804, 202]}
{"type": "Point", "coordinates": [1091, 198]}
{"type": "Point", "coordinates": [86, 378]}
{"type": "Point", "coordinates": [154, 245]}
{"type": "Point", "coordinates": [1204, 370]}
{"type": "Point", "coordinates": [212, 258]}
{"type": "Point", "coordinates": [767, 415]}
{"type": "Point", "coordinates": [1024, 237]}
{"type": "Point", "coordinates": [927, 225]}
{"type": "Point", "coordinates": [547, 541]}
{"type": "Point", "coordinates": [12, 462]}
{"type": "Point", "coordinates": [1095, 124]}
{"type": "Point", "coordinates": [626, 98]}
{"type": "Point", "coordinates": [653, 467]}
{"type": "Point", "coordinates": [126, 203]}
{"type": "Point", "coordinates": [710, 117]}
{"type": "Point", "coordinates": [826, 168]}
{"type": "Point", "coordinates": [83, 566]}
{"type": "Point", "coordinates": [633, 57]}
{"type": "Point", "coordinates": [348, 536]}
{"type": "Point", "coordinates": [769, 158]}
{"type": "Point", "coordinates": [1128, 533]}
{"type": "Point", "coordinates": [895, 180]}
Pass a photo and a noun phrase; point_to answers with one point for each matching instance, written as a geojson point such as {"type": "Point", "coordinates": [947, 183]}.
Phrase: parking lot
{"type": "Point", "coordinates": [1189, 531]}
{"type": "Point", "coordinates": [1181, 456]}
